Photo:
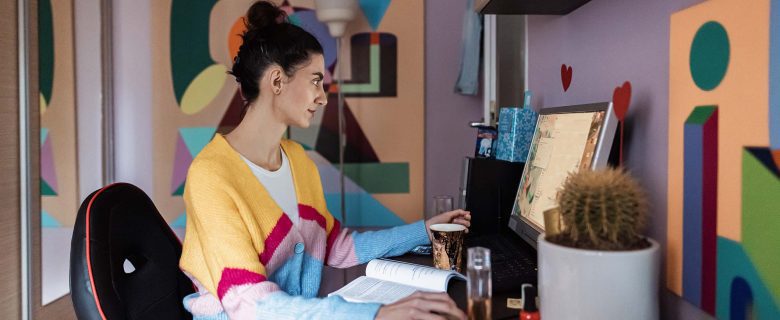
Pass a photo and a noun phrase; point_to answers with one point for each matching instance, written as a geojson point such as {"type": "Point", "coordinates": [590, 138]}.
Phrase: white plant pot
{"type": "Point", "coordinates": [590, 284]}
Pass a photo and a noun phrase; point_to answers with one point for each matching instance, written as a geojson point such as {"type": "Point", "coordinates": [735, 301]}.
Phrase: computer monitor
{"type": "Point", "coordinates": [566, 139]}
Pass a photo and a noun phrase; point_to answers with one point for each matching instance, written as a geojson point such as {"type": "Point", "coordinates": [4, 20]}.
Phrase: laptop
{"type": "Point", "coordinates": [566, 139]}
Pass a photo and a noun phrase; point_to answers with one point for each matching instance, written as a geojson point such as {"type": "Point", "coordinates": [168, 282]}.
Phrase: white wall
{"type": "Point", "coordinates": [89, 90]}
{"type": "Point", "coordinates": [132, 93]}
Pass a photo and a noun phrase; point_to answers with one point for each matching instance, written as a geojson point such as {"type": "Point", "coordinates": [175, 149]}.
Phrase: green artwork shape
{"type": "Point", "coordinates": [761, 218]}
{"type": "Point", "coordinates": [373, 85]}
{"type": "Point", "coordinates": [180, 190]}
{"type": "Point", "coordinates": [379, 177]}
{"type": "Point", "coordinates": [47, 190]}
{"type": "Point", "coordinates": [699, 115]}
{"type": "Point", "coordinates": [45, 49]}
{"type": "Point", "coordinates": [734, 262]}
{"type": "Point", "coordinates": [189, 42]}
{"type": "Point", "coordinates": [709, 56]}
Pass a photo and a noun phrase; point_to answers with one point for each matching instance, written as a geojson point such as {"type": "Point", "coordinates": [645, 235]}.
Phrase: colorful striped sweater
{"type": "Point", "coordinates": [247, 258]}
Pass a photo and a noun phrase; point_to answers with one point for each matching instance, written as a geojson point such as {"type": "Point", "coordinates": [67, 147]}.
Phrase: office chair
{"type": "Point", "coordinates": [115, 224]}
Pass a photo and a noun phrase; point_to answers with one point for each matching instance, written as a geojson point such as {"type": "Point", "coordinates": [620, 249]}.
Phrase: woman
{"type": "Point", "coordinates": [258, 229]}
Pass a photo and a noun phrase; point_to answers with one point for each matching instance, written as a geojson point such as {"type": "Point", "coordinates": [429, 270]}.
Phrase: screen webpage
{"type": "Point", "coordinates": [563, 143]}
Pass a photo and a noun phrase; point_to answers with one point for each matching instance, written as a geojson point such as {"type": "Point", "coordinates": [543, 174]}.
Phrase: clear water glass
{"type": "Point", "coordinates": [479, 287]}
{"type": "Point", "coordinates": [441, 204]}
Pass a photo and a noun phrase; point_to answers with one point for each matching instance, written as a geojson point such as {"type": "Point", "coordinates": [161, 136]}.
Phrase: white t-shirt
{"type": "Point", "coordinates": [279, 185]}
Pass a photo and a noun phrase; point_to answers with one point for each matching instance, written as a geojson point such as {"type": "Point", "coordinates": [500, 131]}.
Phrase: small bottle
{"type": "Point", "coordinates": [479, 285]}
{"type": "Point", "coordinates": [530, 311]}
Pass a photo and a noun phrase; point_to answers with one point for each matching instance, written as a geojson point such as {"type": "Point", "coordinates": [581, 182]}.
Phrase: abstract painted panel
{"type": "Point", "coordinates": [193, 48]}
{"type": "Point", "coordinates": [723, 185]}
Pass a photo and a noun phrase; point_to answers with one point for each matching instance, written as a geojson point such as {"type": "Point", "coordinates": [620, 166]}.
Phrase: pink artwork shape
{"type": "Point", "coordinates": [48, 172]}
{"type": "Point", "coordinates": [181, 163]}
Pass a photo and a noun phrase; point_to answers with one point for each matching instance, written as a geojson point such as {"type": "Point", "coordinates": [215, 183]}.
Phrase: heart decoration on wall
{"type": "Point", "coordinates": [566, 74]}
{"type": "Point", "coordinates": [621, 98]}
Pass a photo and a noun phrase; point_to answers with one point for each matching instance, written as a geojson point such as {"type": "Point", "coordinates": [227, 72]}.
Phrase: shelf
{"type": "Point", "coordinates": [542, 7]}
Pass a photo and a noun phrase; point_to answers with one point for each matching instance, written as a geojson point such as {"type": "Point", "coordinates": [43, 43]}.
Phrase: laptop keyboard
{"type": "Point", "coordinates": [512, 264]}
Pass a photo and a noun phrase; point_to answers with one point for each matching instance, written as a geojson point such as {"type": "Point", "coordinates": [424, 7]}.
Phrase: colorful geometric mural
{"type": "Point", "coordinates": [383, 113]}
{"type": "Point", "coordinates": [58, 163]}
{"type": "Point", "coordinates": [724, 186]}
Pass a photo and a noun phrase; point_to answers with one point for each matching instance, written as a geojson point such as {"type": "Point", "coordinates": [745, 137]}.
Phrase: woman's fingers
{"type": "Point", "coordinates": [462, 221]}
{"type": "Point", "coordinates": [440, 303]}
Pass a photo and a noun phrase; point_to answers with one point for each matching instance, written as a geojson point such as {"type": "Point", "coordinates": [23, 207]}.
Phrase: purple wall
{"type": "Point", "coordinates": [448, 137]}
{"type": "Point", "coordinates": [608, 42]}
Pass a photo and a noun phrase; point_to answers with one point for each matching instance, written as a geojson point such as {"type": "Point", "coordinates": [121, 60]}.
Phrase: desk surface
{"type": "Point", "coordinates": [672, 306]}
{"type": "Point", "coordinates": [456, 288]}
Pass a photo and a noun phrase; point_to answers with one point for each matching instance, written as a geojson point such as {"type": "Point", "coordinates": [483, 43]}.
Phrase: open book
{"type": "Point", "coordinates": [387, 281]}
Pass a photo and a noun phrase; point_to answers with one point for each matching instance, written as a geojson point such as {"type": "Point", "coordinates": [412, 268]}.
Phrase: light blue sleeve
{"type": "Point", "coordinates": [280, 305]}
{"type": "Point", "coordinates": [389, 242]}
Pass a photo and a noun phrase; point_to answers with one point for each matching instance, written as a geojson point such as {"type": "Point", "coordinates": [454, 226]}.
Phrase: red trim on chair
{"type": "Point", "coordinates": [89, 262]}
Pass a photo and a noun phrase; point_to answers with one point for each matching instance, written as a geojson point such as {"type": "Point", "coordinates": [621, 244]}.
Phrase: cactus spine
{"type": "Point", "coordinates": [602, 210]}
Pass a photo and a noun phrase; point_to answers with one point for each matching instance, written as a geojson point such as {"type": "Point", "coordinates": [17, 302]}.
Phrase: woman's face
{"type": "Point", "coordinates": [302, 94]}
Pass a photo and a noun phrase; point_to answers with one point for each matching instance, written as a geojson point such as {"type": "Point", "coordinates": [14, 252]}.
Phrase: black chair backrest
{"type": "Point", "coordinates": [116, 223]}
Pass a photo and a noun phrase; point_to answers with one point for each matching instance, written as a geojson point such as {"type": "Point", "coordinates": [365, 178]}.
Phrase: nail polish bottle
{"type": "Point", "coordinates": [530, 311]}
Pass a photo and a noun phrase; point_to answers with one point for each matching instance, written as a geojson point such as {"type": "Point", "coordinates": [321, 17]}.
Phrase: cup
{"type": "Point", "coordinates": [441, 204]}
{"type": "Point", "coordinates": [479, 285]}
{"type": "Point", "coordinates": [447, 245]}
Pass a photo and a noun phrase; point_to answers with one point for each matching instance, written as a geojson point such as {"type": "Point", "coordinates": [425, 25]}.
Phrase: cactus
{"type": "Point", "coordinates": [602, 210]}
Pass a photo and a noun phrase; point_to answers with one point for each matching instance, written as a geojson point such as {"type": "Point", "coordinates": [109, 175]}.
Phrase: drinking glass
{"type": "Point", "coordinates": [478, 286]}
{"type": "Point", "coordinates": [441, 204]}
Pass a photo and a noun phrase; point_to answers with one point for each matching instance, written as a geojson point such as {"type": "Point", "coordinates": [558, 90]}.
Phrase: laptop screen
{"type": "Point", "coordinates": [566, 140]}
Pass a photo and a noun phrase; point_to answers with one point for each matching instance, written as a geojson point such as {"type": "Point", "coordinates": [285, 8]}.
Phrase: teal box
{"type": "Point", "coordinates": [515, 131]}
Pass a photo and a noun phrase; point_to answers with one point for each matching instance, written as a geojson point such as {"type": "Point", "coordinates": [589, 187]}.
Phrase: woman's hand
{"type": "Point", "coordinates": [456, 216]}
{"type": "Point", "coordinates": [422, 306]}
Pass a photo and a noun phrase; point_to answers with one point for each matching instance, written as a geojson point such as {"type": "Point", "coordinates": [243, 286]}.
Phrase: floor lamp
{"type": "Point", "coordinates": [337, 14]}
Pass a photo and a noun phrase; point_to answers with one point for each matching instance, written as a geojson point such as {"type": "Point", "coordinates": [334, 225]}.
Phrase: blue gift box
{"type": "Point", "coordinates": [515, 131]}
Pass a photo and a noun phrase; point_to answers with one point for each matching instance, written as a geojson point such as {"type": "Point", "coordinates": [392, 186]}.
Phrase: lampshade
{"type": "Point", "coordinates": [336, 14]}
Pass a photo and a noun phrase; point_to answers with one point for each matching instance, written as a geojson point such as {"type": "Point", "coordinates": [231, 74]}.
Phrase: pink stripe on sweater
{"type": "Point", "coordinates": [240, 302]}
{"type": "Point", "coordinates": [342, 250]}
{"type": "Point", "coordinates": [235, 277]}
{"type": "Point", "coordinates": [309, 213]}
{"type": "Point", "coordinates": [281, 230]}
{"type": "Point", "coordinates": [334, 233]}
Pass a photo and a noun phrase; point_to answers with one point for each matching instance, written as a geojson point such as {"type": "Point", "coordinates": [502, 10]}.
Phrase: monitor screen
{"type": "Point", "coordinates": [566, 139]}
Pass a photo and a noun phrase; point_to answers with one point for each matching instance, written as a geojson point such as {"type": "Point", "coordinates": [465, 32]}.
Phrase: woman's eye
{"type": "Point", "coordinates": [317, 82]}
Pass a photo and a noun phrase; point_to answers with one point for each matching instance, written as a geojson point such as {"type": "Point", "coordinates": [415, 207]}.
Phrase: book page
{"type": "Point", "coordinates": [411, 274]}
{"type": "Point", "coordinates": [365, 289]}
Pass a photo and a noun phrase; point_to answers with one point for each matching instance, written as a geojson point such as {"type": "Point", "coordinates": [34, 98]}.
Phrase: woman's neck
{"type": "Point", "coordinates": [258, 138]}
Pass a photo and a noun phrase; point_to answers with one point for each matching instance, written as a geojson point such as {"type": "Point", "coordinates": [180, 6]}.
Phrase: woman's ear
{"type": "Point", "coordinates": [276, 76]}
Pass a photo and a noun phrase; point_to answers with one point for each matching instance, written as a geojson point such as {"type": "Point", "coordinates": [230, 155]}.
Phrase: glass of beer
{"type": "Point", "coordinates": [479, 287]}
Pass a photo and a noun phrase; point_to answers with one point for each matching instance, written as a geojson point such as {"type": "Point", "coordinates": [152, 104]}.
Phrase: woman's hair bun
{"type": "Point", "coordinates": [262, 15]}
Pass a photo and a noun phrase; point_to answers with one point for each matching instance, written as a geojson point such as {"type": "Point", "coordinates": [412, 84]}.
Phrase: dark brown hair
{"type": "Point", "coordinates": [269, 39]}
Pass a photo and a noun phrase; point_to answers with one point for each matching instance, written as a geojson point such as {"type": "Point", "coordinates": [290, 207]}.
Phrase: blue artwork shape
{"type": "Point", "coordinates": [180, 222]}
{"type": "Point", "coordinates": [692, 212]}
{"type": "Point", "coordinates": [196, 138]}
{"type": "Point", "coordinates": [374, 10]}
{"type": "Point", "coordinates": [308, 21]}
{"type": "Point", "coordinates": [741, 300]}
{"type": "Point", "coordinates": [44, 135]}
{"type": "Point", "coordinates": [47, 221]}
{"type": "Point", "coordinates": [733, 263]}
{"type": "Point", "coordinates": [362, 210]}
